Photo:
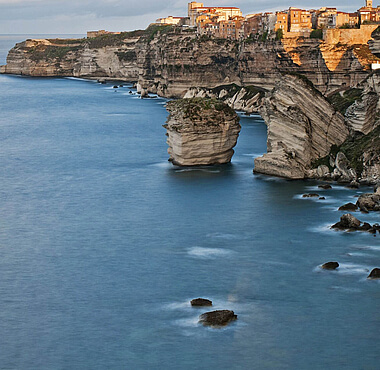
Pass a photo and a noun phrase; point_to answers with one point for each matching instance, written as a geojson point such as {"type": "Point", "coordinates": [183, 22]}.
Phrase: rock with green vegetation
{"type": "Point", "coordinates": [201, 131]}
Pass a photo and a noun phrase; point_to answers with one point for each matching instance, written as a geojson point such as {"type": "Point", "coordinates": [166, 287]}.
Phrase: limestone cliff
{"type": "Point", "coordinates": [111, 56]}
{"type": "Point", "coordinates": [201, 132]}
{"type": "Point", "coordinates": [302, 127]}
{"type": "Point", "coordinates": [169, 60]}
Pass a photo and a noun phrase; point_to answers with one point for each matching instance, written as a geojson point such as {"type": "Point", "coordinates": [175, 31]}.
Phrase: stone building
{"type": "Point", "coordinates": [299, 20]}
{"type": "Point", "coordinates": [223, 13]}
{"type": "Point", "coordinates": [281, 21]}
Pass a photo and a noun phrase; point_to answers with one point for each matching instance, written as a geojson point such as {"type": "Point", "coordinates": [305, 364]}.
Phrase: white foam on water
{"type": "Point", "coordinates": [352, 269]}
{"type": "Point", "coordinates": [207, 253]}
{"type": "Point", "coordinates": [346, 289]}
{"type": "Point", "coordinates": [223, 236]}
{"type": "Point", "coordinates": [359, 254]}
{"type": "Point", "coordinates": [325, 228]}
{"type": "Point", "coordinates": [165, 164]}
{"type": "Point", "coordinates": [375, 248]}
{"type": "Point", "coordinates": [188, 322]}
{"type": "Point", "coordinates": [252, 155]}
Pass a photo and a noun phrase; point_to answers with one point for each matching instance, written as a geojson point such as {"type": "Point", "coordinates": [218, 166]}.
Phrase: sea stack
{"type": "Point", "coordinates": [201, 131]}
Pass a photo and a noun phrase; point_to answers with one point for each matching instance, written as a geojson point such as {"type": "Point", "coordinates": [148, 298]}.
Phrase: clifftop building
{"type": "Point", "coordinates": [217, 13]}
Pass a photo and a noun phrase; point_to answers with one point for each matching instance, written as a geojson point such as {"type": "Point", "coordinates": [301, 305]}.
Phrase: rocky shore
{"type": "Point", "coordinates": [320, 100]}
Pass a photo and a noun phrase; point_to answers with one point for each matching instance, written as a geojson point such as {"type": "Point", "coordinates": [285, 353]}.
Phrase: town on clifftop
{"type": "Point", "coordinates": [228, 22]}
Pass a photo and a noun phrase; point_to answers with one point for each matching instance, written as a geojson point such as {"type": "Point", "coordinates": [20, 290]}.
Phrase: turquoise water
{"type": "Point", "coordinates": [103, 243]}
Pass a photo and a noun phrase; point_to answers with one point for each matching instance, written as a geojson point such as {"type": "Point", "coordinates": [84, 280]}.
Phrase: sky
{"type": "Point", "coordinates": [80, 16]}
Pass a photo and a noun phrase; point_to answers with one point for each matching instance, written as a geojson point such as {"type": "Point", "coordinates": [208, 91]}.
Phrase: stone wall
{"type": "Point", "coordinates": [349, 36]}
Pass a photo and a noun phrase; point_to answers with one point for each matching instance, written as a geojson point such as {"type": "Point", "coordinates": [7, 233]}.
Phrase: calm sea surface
{"type": "Point", "coordinates": [103, 243]}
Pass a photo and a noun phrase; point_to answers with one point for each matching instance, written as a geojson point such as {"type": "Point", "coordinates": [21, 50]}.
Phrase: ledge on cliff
{"type": "Point", "coordinates": [201, 131]}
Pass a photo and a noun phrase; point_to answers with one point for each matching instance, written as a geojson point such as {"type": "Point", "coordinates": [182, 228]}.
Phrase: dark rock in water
{"type": "Point", "coordinates": [354, 185]}
{"type": "Point", "coordinates": [116, 87]}
{"type": "Point", "coordinates": [217, 318]}
{"type": "Point", "coordinates": [322, 198]}
{"type": "Point", "coordinates": [199, 302]}
{"type": "Point", "coordinates": [348, 207]}
{"type": "Point", "coordinates": [366, 227]}
{"type": "Point", "coordinates": [347, 222]}
{"type": "Point", "coordinates": [101, 81]}
{"type": "Point", "coordinates": [130, 92]}
{"type": "Point", "coordinates": [310, 196]}
{"type": "Point", "coordinates": [374, 274]}
{"type": "Point", "coordinates": [121, 85]}
{"type": "Point", "coordinates": [330, 265]}
{"type": "Point", "coordinates": [369, 202]}
{"type": "Point", "coordinates": [325, 186]}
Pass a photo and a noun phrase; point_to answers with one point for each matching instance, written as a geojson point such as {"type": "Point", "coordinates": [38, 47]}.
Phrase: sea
{"type": "Point", "coordinates": [103, 243]}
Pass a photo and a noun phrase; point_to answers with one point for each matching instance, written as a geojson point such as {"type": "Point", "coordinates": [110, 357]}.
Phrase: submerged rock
{"type": "Point", "coordinates": [374, 274]}
{"type": "Point", "coordinates": [201, 131]}
{"type": "Point", "coordinates": [312, 195]}
{"type": "Point", "coordinates": [330, 265]}
{"type": "Point", "coordinates": [351, 207]}
{"type": "Point", "coordinates": [325, 186]}
{"type": "Point", "coordinates": [217, 318]}
{"type": "Point", "coordinates": [199, 302]}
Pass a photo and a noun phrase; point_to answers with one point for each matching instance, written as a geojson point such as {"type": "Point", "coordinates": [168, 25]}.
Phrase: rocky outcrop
{"type": "Point", "coordinates": [350, 223]}
{"type": "Point", "coordinates": [200, 302]}
{"type": "Point", "coordinates": [347, 222]}
{"type": "Point", "coordinates": [330, 265]}
{"type": "Point", "coordinates": [302, 127]}
{"type": "Point", "coordinates": [374, 274]}
{"type": "Point", "coordinates": [217, 318]}
{"type": "Point", "coordinates": [369, 202]}
{"type": "Point", "coordinates": [351, 207]}
{"type": "Point", "coordinates": [201, 132]}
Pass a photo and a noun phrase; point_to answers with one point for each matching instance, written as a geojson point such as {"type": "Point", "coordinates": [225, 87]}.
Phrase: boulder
{"type": "Point", "coordinates": [343, 165]}
{"type": "Point", "coordinates": [354, 185]}
{"type": "Point", "coordinates": [200, 302]}
{"type": "Point", "coordinates": [366, 227]}
{"type": "Point", "coordinates": [322, 171]}
{"type": "Point", "coordinates": [330, 265]}
{"type": "Point", "coordinates": [369, 202]}
{"type": "Point", "coordinates": [374, 274]}
{"type": "Point", "coordinates": [351, 207]}
{"type": "Point", "coordinates": [325, 186]}
{"type": "Point", "coordinates": [347, 222]}
{"type": "Point", "coordinates": [217, 318]}
{"type": "Point", "coordinates": [322, 198]}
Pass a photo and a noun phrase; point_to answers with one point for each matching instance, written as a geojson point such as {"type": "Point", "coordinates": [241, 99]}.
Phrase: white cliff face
{"type": "Point", "coordinates": [302, 127]}
{"type": "Point", "coordinates": [201, 132]}
{"type": "Point", "coordinates": [362, 116]}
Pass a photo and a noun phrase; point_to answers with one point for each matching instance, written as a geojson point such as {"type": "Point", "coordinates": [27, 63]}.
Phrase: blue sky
{"type": "Point", "coordinates": [79, 16]}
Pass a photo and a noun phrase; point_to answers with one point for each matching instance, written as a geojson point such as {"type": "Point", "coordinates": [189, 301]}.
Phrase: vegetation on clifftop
{"type": "Point", "coordinates": [198, 109]}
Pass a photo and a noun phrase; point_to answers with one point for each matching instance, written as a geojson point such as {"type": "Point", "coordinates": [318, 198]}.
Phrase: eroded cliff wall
{"type": "Point", "coordinates": [169, 61]}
